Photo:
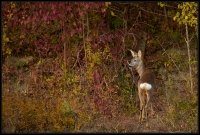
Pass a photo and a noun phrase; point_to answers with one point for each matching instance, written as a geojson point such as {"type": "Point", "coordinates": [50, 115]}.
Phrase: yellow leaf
{"type": "Point", "coordinates": [128, 75]}
{"type": "Point", "coordinates": [8, 51]}
{"type": "Point", "coordinates": [21, 36]}
{"type": "Point", "coordinates": [107, 4]}
{"type": "Point", "coordinates": [174, 18]}
{"type": "Point", "coordinates": [13, 5]}
{"type": "Point", "coordinates": [112, 13]}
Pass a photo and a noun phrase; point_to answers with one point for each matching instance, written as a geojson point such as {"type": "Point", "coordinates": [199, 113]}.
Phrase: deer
{"type": "Point", "coordinates": [145, 83]}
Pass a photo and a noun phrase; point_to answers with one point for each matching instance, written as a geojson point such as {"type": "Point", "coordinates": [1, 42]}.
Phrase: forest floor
{"type": "Point", "coordinates": [123, 123]}
{"type": "Point", "coordinates": [128, 124]}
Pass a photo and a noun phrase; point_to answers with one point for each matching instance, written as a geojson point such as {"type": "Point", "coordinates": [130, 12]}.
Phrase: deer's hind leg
{"type": "Point", "coordinates": [142, 104]}
{"type": "Point", "coordinates": [147, 103]}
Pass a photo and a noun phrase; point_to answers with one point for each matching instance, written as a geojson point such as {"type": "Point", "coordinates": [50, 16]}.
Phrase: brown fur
{"type": "Point", "coordinates": [146, 76]}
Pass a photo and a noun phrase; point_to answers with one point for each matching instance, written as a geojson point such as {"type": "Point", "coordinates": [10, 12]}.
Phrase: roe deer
{"type": "Point", "coordinates": [145, 83]}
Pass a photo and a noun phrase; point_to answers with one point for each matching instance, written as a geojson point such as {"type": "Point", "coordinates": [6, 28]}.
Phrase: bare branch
{"type": "Point", "coordinates": [151, 11]}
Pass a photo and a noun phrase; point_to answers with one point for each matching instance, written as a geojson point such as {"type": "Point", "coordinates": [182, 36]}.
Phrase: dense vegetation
{"type": "Point", "coordinates": [65, 66]}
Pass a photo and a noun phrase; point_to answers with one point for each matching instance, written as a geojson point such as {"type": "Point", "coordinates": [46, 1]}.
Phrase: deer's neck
{"type": "Point", "coordinates": [140, 69]}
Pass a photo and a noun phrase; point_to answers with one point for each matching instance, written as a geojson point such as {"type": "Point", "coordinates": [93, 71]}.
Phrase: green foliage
{"type": "Point", "coordinates": [175, 36]}
{"type": "Point", "coordinates": [115, 22]}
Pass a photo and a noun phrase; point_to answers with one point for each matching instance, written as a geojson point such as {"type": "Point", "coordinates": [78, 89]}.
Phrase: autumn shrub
{"type": "Point", "coordinates": [24, 114]}
{"type": "Point", "coordinates": [42, 108]}
{"type": "Point", "coordinates": [180, 112]}
{"type": "Point", "coordinates": [39, 33]}
{"type": "Point", "coordinates": [128, 92]}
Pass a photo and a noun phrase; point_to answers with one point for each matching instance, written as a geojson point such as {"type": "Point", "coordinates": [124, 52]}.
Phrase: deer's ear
{"type": "Point", "coordinates": [133, 53]}
{"type": "Point", "coordinates": [139, 54]}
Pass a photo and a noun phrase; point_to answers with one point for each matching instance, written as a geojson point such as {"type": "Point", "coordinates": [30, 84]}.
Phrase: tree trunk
{"type": "Point", "coordinates": [187, 40]}
{"type": "Point", "coordinates": [142, 43]}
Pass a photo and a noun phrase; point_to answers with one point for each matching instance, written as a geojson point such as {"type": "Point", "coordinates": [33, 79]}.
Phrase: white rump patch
{"type": "Point", "coordinates": [145, 86]}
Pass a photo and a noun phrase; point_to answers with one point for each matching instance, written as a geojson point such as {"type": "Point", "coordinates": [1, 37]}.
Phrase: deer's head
{"type": "Point", "coordinates": [136, 60]}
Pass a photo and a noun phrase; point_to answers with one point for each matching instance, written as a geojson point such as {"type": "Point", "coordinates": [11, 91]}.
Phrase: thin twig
{"type": "Point", "coordinates": [84, 42]}
{"type": "Point", "coordinates": [170, 57]}
{"type": "Point", "coordinates": [191, 37]}
{"type": "Point", "coordinates": [77, 57]}
{"type": "Point", "coordinates": [147, 24]}
{"type": "Point", "coordinates": [134, 24]}
{"type": "Point", "coordinates": [87, 27]}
